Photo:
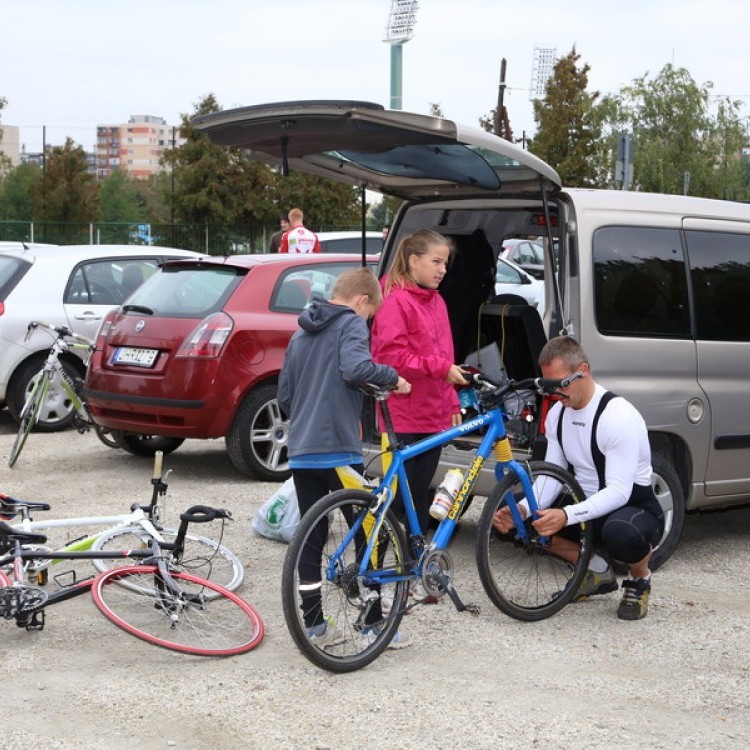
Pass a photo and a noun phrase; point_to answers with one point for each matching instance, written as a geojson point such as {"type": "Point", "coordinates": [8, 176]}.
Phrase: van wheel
{"type": "Point", "coordinates": [145, 445]}
{"type": "Point", "coordinates": [669, 493]}
{"type": "Point", "coordinates": [257, 441]}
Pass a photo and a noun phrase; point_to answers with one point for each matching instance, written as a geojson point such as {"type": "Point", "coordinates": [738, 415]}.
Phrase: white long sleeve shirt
{"type": "Point", "coordinates": [622, 438]}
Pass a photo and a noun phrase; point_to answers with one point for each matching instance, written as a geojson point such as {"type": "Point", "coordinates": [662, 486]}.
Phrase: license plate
{"type": "Point", "coordinates": [127, 355]}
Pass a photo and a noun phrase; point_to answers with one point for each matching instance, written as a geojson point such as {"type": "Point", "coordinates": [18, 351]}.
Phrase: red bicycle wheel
{"type": "Point", "coordinates": [185, 620]}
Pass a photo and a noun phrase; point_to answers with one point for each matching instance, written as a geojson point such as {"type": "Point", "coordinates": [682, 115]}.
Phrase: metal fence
{"type": "Point", "coordinates": [212, 239]}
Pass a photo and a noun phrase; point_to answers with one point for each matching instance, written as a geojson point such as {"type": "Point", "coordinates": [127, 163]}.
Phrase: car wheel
{"type": "Point", "coordinates": [257, 441]}
{"type": "Point", "coordinates": [145, 445]}
{"type": "Point", "coordinates": [57, 411]}
{"type": "Point", "coordinates": [668, 490]}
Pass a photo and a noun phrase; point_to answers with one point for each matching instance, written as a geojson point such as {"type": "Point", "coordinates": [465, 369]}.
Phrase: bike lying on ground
{"type": "Point", "coordinates": [135, 530]}
{"type": "Point", "coordinates": [154, 601]}
{"type": "Point", "coordinates": [351, 556]}
{"type": "Point", "coordinates": [52, 389]}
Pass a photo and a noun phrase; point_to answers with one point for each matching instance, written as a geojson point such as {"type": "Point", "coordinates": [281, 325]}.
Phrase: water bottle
{"type": "Point", "coordinates": [469, 403]}
{"type": "Point", "coordinates": [446, 493]}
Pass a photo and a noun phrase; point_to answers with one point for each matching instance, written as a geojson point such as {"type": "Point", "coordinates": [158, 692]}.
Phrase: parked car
{"type": "Point", "coordinates": [526, 254]}
{"type": "Point", "coordinates": [512, 279]}
{"type": "Point", "coordinates": [196, 353]}
{"type": "Point", "coordinates": [350, 242]}
{"type": "Point", "coordinates": [73, 285]}
{"type": "Point", "coordinates": [656, 287]}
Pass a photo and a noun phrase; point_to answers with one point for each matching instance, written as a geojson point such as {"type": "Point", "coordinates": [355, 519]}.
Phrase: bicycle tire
{"type": "Point", "coordinates": [361, 629]}
{"type": "Point", "coordinates": [105, 436]}
{"type": "Point", "coordinates": [29, 415]}
{"type": "Point", "coordinates": [202, 557]}
{"type": "Point", "coordinates": [223, 626]}
{"type": "Point", "coordinates": [523, 579]}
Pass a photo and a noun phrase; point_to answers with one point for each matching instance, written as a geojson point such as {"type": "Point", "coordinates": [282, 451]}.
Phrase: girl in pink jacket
{"type": "Point", "coordinates": [411, 332]}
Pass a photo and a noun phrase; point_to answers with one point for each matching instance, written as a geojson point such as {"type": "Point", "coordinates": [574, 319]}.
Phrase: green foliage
{"type": "Point", "coordinates": [674, 134]}
{"type": "Point", "coordinates": [66, 192]}
{"type": "Point", "coordinates": [15, 192]}
{"type": "Point", "coordinates": [120, 206]}
{"type": "Point", "coordinates": [569, 129]}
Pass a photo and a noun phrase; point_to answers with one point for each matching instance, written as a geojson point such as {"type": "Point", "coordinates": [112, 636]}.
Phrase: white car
{"type": "Point", "coordinates": [72, 285]}
{"type": "Point", "coordinates": [350, 242]}
{"type": "Point", "coordinates": [512, 279]}
{"type": "Point", "coordinates": [526, 254]}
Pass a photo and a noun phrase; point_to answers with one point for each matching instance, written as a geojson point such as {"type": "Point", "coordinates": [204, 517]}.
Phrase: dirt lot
{"type": "Point", "coordinates": [582, 679]}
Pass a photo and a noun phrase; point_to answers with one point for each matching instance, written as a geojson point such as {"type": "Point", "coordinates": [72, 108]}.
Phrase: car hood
{"type": "Point", "coordinates": [398, 153]}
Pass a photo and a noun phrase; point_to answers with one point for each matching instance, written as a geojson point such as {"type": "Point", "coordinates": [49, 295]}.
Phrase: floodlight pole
{"type": "Point", "coordinates": [398, 31]}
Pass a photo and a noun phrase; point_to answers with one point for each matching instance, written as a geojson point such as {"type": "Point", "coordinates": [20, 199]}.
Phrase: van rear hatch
{"type": "Point", "coordinates": [407, 155]}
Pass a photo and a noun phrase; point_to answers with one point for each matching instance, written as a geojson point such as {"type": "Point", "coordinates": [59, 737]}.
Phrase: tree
{"type": "Point", "coordinates": [66, 192]}
{"type": "Point", "coordinates": [120, 206]}
{"type": "Point", "coordinates": [677, 145]}
{"type": "Point", "coordinates": [16, 190]}
{"type": "Point", "coordinates": [5, 162]}
{"type": "Point", "coordinates": [569, 126]}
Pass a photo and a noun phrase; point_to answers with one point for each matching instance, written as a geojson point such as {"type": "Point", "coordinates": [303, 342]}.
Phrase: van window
{"type": "Point", "coordinates": [720, 275]}
{"type": "Point", "coordinates": [640, 282]}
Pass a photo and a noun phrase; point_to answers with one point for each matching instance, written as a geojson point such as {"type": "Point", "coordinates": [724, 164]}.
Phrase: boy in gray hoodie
{"type": "Point", "coordinates": [326, 361]}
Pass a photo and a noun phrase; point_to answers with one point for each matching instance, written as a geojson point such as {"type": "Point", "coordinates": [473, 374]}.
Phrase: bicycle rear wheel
{"type": "Point", "coordinates": [202, 557]}
{"type": "Point", "coordinates": [524, 579]}
{"type": "Point", "coordinates": [29, 415]}
{"type": "Point", "coordinates": [182, 621]}
{"type": "Point", "coordinates": [320, 577]}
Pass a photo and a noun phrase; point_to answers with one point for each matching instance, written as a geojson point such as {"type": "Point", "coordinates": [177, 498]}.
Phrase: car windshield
{"type": "Point", "coordinates": [188, 291]}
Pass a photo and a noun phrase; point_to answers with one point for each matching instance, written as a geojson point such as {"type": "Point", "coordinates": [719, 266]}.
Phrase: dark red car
{"type": "Point", "coordinates": [196, 353]}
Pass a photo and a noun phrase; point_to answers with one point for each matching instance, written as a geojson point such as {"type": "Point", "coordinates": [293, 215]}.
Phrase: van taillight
{"type": "Point", "coordinates": [208, 338]}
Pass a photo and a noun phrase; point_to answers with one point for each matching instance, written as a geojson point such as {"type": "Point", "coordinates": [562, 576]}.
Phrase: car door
{"type": "Point", "coordinates": [96, 286]}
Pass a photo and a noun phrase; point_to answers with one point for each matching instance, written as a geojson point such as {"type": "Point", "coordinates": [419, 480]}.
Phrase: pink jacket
{"type": "Point", "coordinates": [411, 332]}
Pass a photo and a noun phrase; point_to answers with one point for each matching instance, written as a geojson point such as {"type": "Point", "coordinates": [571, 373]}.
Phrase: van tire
{"type": "Point", "coordinates": [257, 440]}
{"type": "Point", "coordinates": [671, 497]}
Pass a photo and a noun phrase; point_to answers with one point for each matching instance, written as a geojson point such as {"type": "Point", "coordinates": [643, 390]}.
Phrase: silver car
{"type": "Point", "coordinates": [72, 285]}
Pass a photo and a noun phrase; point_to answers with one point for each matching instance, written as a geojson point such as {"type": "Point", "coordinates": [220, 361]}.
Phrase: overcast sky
{"type": "Point", "coordinates": [72, 65]}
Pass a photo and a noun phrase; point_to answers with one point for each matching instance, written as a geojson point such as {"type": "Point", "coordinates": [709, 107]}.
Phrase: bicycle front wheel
{"type": "Point", "coordinates": [182, 620]}
{"type": "Point", "coordinates": [321, 582]}
{"type": "Point", "coordinates": [522, 574]}
{"type": "Point", "coordinates": [29, 414]}
{"type": "Point", "coordinates": [202, 557]}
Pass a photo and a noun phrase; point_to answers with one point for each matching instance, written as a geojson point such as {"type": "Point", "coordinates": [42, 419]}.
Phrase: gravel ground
{"type": "Point", "coordinates": [582, 679]}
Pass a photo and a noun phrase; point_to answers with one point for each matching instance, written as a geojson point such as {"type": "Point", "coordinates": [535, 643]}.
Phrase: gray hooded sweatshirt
{"type": "Point", "coordinates": [325, 362]}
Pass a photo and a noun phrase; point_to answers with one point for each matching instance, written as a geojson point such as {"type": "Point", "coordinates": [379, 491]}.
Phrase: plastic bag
{"type": "Point", "coordinates": [278, 517]}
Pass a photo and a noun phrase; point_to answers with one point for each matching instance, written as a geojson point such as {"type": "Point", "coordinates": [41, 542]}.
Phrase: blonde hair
{"type": "Point", "coordinates": [413, 244]}
{"type": "Point", "coordinates": [357, 281]}
{"type": "Point", "coordinates": [296, 216]}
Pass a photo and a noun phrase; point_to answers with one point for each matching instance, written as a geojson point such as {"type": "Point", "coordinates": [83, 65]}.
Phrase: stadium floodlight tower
{"type": "Point", "coordinates": [400, 29]}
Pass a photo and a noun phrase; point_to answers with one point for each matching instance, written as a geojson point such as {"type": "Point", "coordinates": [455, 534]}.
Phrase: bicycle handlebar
{"type": "Point", "coordinates": [62, 332]}
{"type": "Point", "coordinates": [203, 514]}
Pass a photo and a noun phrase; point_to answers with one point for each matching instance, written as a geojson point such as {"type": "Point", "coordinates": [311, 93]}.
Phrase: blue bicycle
{"type": "Point", "coordinates": [352, 561]}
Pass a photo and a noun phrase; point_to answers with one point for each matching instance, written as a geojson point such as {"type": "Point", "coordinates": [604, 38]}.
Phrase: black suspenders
{"type": "Point", "coordinates": [596, 454]}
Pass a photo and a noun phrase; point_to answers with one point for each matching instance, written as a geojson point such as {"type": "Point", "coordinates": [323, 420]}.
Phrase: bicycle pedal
{"type": "Point", "coordinates": [473, 609]}
{"type": "Point", "coordinates": [32, 621]}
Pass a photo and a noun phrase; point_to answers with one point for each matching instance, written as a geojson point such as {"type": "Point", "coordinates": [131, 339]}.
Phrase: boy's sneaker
{"type": "Point", "coordinates": [634, 602]}
{"type": "Point", "coordinates": [418, 591]}
{"type": "Point", "coordinates": [325, 634]}
{"type": "Point", "coordinates": [594, 584]}
{"type": "Point", "coordinates": [402, 639]}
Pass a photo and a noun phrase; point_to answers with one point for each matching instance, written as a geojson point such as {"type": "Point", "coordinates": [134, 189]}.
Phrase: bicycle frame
{"type": "Point", "coordinates": [495, 437]}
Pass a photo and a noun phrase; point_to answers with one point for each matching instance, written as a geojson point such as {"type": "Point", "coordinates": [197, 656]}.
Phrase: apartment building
{"type": "Point", "coordinates": [135, 146]}
{"type": "Point", "coordinates": [9, 143]}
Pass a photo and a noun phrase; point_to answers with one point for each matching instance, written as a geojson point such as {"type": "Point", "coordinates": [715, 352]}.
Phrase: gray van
{"type": "Point", "coordinates": [656, 287]}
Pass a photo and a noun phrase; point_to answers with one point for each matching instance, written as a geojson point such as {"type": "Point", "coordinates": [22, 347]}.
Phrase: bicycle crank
{"type": "Point", "coordinates": [437, 579]}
